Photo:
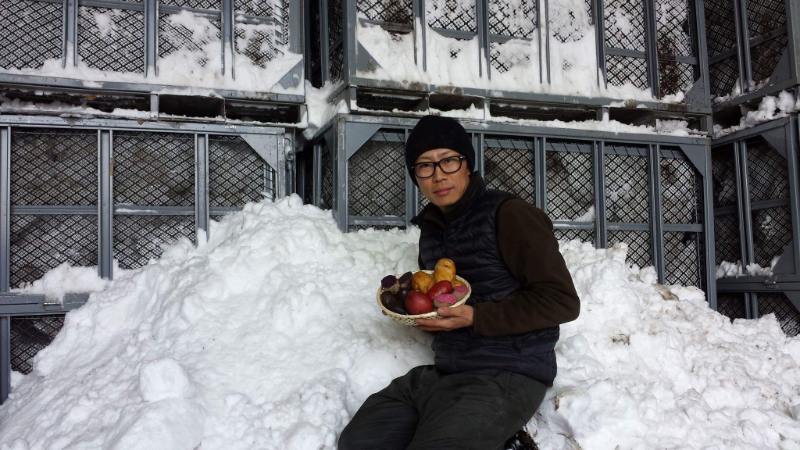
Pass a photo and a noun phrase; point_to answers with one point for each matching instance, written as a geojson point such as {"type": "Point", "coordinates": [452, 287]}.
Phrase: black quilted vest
{"type": "Point", "coordinates": [469, 238]}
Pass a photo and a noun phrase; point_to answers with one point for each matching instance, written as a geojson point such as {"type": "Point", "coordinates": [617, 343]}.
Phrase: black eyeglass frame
{"type": "Point", "coordinates": [438, 164]}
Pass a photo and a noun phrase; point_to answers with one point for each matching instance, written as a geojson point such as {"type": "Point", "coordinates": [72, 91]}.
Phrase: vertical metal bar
{"type": "Point", "coordinates": [325, 41]}
{"type": "Point", "coordinates": [349, 41]}
{"type": "Point", "coordinates": [64, 32]}
{"type": "Point", "coordinates": [480, 13]}
{"type": "Point", "coordinates": [290, 156]}
{"type": "Point", "coordinates": [5, 206]}
{"type": "Point", "coordinates": [540, 172]}
{"type": "Point", "coordinates": [72, 29]}
{"type": "Point", "coordinates": [201, 182]}
{"type": "Point", "coordinates": [411, 196]}
{"type": "Point", "coordinates": [745, 71]}
{"type": "Point", "coordinates": [151, 39]}
{"type": "Point", "coordinates": [297, 32]}
{"type": "Point", "coordinates": [651, 44]}
{"type": "Point", "coordinates": [316, 170]}
{"type": "Point", "coordinates": [539, 32]}
{"type": "Point", "coordinates": [280, 169]}
{"type": "Point", "coordinates": [754, 313]}
{"type": "Point", "coordinates": [794, 185]}
{"type": "Point", "coordinates": [747, 217]}
{"type": "Point", "coordinates": [485, 41]}
{"type": "Point", "coordinates": [708, 233]}
{"type": "Point", "coordinates": [228, 37]}
{"type": "Point", "coordinates": [547, 36]}
{"type": "Point", "coordinates": [600, 27]}
{"type": "Point", "coordinates": [740, 204]}
{"type": "Point", "coordinates": [418, 15]}
{"type": "Point", "coordinates": [5, 357]}
{"type": "Point", "coordinates": [306, 37]}
{"type": "Point", "coordinates": [105, 209]}
{"type": "Point", "coordinates": [793, 23]}
{"type": "Point", "coordinates": [702, 51]}
{"type": "Point", "coordinates": [599, 194]}
{"type": "Point", "coordinates": [656, 218]}
{"type": "Point", "coordinates": [341, 187]}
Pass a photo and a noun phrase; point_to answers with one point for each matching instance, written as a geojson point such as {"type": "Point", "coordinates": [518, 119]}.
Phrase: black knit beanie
{"type": "Point", "coordinates": [432, 132]}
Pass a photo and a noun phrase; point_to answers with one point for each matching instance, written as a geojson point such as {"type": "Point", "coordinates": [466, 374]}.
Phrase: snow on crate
{"type": "Point", "coordinates": [268, 336]}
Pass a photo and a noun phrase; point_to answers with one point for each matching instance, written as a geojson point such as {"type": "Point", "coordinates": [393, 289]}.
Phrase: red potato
{"type": "Point", "coordinates": [418, 303]}
{"type": "Point", "coordinates": [460, 291]}
{"type": "Point", "coordinates": [444, 300]}
{"type": "Point", "coordinates": [442, 287]}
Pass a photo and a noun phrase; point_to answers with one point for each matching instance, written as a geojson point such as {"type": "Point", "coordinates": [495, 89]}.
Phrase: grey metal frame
{"type": "Point", "coordinates": [786, 74]}
{"type": "Point", "coordinates": [347, 133]}
{"type": "Point", "coordinates": [698, 100]}
{"type": "Point", "coordinates": [268, 142]}
{"type": "Point", "coordinates": [151, 10]}
{"type": "Point", "coordinates": [783, 135]}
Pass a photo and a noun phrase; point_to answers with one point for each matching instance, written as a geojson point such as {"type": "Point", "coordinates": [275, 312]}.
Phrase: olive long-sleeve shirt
{"type": "Point", "coordinates": [546, 296]}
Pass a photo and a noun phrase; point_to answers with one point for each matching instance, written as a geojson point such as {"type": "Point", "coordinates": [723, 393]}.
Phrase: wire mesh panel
{"type": "Point", "coordinates": [724, 177]}
{"type": "Point", "coordinates": [684, 258]}
{"type": "Point", "coordinates": [573, 234]}
{"type": "Point", "coordinates": [53, 167]}
{"type": "Point", "coordinates": [624, 29]}
{"type": "Point", "coordinates": [515, 18]}
{"type": "Point", "coordinates": [236, 173]}
{"type": "Point", "coordinates": [723, 71]}
{"type": "Point", "coordinates": [779, 304]}
{"type": "Point", "coordinates": [199, 43]}
{"type": "Point", "coordinates": [772, 232]}
{"type": "Point", "coordinates": [42, 242]}
{"type": "Point", "coordinates": [315, 47]}
{"type": "Point", "coordinates": [570, 180]}
{"type": "Point", "coordinates": [422, 202]}
{"type": "Point", "coordinates": [326, 193]}
{"type": "Point", "coordinates": [639, 245]}
{"type": "Point", "coordinates": [511, 55]}
{"type": "Point", "coordinates": [732, 305]}
{"type": "Point", "coordinates": [153, 169]}
{"type": "Point", "coordinates": [353, 228]}
{"type": "Point", "coordinates": [111, 39]}
{"type": "Point", "coordinates": [509, 165]}
{"type": "Point", "coordinates": [335, 29]}
{"type": "Point", "coordinates": [377, 177]}
{"type": "Point", "coordinates": [767, 172]}
{"type": "Point", "coordinates": [30, 334]}
{"type": "Point", "coordinates": [681, 191]}
{"type": "Point", "coordinates": [258, 43]}
{"type": "Point", "coordinates": [31, 33]}
{"type": "Point", "coordinates": [452, 14]}
{"type": "Point", "coordinates": [393, 11]}
{"type": "Point", "coordinates": [675, 25]}
{"type": "Point", "coordinates": [196, 4]}
{"type": "Point", "coordinates": [763, 17]}
{"type": "Point", "coordinates": [727, 239]}
{"type": "Point", "coordinates": [138, 238]}
{"type": "Point", "coordinates": [627, 184]}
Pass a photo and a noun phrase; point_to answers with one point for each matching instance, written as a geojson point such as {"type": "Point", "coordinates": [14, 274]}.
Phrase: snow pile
{"type": "Point", "coordinates": [319, 107]}
{"type": "Point", "coordinates": [770, 108]}
{"type": "Point", "coordinates": [268, 336]}
{"type": "Point", "coordinates": [64, 279]}
{"type": "Point", "coordinates": [731, 269]}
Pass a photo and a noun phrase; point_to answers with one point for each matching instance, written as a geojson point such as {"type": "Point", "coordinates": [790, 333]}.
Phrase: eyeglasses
{"type": "Point", "coordinates": [451, 164]}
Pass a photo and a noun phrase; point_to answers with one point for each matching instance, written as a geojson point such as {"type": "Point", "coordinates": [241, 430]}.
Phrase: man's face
{"type": "Point", "coordinates": [443, 189]}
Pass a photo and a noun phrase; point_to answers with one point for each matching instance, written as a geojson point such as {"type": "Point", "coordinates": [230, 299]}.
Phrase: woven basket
{"type": "Point", "coordinates": [409, 320]}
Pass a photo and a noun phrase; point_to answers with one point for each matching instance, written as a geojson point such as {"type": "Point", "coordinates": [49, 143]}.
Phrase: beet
{"type": "Point", "coordinates": [390, 284]}
{"type": "Point", "coordinates": [405, 280]}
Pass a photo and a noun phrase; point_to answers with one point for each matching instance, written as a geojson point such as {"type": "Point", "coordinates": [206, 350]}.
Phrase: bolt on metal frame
{"type": "Point", "coordinates": [148, 12]}
{"type": "Point", "coordinates": [268, 142]}
{"type": "Point", "coordinates": [339, 144]}
{"type": "Point", "coordinates": [321, 15]}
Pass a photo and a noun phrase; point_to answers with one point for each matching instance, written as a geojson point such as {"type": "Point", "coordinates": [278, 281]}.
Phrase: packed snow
{"type": "Point", "coordinates": [267, 335]}
{"type": "Point", "coordinates": [770, 108]}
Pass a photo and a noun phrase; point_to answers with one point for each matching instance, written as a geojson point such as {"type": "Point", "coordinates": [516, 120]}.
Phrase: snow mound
{"type": "Point", "coordinates": [267, 336]}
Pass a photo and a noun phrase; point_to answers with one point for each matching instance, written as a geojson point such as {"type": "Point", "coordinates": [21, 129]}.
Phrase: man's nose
{"type": "Point", "coordinates": [438, 173]}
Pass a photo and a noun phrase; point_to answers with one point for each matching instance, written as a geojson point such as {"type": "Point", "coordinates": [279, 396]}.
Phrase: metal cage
{"type": "Point", "coordinates": [752, 49]}
{"type": "Point", "coordinates": [648, 191]}
{"type": "Point", "coordinates": [115, 45]}
{"type": "Point", "coordinates": [660, 47]}
{"type": "Point", "coordinates": [87, 192]}
{"type": "Point", "coordinates": [756, 184]}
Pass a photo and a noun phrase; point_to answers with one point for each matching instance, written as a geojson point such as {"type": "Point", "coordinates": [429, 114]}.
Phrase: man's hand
{"type": "Point", "coordinates": [452, 318]}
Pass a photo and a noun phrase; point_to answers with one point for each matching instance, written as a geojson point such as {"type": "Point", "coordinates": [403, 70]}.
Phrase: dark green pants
{"type": "Point", "coordinates": [428, 409]}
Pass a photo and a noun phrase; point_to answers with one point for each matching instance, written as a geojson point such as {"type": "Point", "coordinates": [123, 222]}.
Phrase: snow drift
{"type": "Point", "coordinates": [267, 336]}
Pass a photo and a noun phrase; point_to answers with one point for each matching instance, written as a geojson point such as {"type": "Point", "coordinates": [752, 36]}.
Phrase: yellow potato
{"type": "Point", "coordinates": [422, 282]}
{"type": "Point", "coordinates": [445, 270]}
{"type": "Point", "coordinates": [458, 282]}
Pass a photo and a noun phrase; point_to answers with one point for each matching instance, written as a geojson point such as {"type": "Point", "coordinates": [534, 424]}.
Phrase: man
{"type": "Point", "coordinates": [494, 356]}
